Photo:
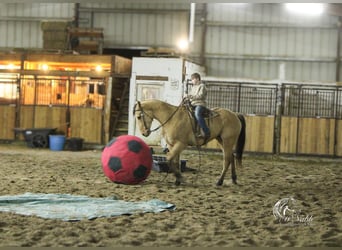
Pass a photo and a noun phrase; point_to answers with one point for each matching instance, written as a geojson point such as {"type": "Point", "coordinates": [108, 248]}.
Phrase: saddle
{"type": "Point", "coordinates": [207, 115]}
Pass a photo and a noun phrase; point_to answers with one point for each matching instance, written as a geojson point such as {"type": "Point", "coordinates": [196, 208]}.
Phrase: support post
{"type": "Point", "coordinates": [204, 34]}
{"type": "Point", "coordinates": [278, 111]}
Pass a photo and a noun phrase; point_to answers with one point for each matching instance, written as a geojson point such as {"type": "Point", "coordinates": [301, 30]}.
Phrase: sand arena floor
{"type": "Point", "coordinates": [205, 215]}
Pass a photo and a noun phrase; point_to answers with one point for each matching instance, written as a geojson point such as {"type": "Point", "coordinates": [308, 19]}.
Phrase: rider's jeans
{"type": "Point", "coordinates": [199, 116]}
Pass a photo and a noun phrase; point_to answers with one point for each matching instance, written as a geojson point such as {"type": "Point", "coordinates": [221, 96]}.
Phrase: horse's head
{"type": "Point", "coordinates": [143, 119]}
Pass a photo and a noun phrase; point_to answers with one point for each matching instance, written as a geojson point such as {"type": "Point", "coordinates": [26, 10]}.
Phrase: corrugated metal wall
{"type": "Point", "coordinates": [250, 40]}
{"type": "Point", "coordinates": [20, 23]}
{"type": "Point", "coordinates": [137, 25]}
{"type": "Point", "coordinates": [241, 40]}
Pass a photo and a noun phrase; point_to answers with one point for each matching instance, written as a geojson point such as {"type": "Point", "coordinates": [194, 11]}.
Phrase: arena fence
{"type": "Point", "coordinates": [284, 118]}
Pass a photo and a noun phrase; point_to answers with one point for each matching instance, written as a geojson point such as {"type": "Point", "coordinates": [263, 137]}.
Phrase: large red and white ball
{"type": "Point", "coordinates": [127, 159]}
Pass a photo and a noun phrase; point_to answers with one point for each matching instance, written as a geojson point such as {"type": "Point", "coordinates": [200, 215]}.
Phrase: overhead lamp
{"type": "Point", "coordinates": [183, 45]}
{"type": "Point", "coordinates": [312, 9]}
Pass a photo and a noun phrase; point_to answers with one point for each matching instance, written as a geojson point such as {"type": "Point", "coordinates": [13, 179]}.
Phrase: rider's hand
{"type": "Point", "coordinates": [186, 99]}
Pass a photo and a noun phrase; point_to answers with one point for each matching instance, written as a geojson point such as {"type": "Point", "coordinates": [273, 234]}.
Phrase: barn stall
{"type": "Point", "coordinates": [76, 94]}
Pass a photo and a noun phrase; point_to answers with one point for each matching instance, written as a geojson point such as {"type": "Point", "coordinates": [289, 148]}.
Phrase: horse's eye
{"type": "Point", "coordinates": [139, 117]}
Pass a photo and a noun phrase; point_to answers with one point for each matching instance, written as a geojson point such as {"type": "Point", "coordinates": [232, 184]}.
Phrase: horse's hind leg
{"type": "Point", "coordinates": [228, 158]}
{"type": "Point", "coordinates": [234, 176]}
{"type": "Point", "coordinates": [226, 163]}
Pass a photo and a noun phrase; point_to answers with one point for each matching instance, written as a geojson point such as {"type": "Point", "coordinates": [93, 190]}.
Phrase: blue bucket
{"type": "Point", "coordinates": [56, 142]}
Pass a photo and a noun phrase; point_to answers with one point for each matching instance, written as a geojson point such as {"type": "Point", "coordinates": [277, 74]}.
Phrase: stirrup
{"type": "Point", "coordinates": [206, 137]}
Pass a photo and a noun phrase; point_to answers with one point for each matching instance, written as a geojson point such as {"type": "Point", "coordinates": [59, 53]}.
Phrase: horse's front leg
{"type": "Point", "coordinates": [174, 166]}
{"type": "Point", "coordinates": [173, 158]}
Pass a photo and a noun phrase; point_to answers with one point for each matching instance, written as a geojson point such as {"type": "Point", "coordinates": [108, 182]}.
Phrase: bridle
{"type": "Point", "coordinates": [143, 113]}
{"type": "Point", "coordinates": [142, 116]}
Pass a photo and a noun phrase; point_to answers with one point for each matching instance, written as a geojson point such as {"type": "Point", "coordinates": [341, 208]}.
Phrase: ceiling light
{"type": "Point", "coordinates": [311, 9]}
{"type": "Point", "coordinates": [183, 44]}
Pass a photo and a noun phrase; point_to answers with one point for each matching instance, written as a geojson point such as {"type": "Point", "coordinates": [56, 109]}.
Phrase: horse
{"type": "Point", "coordinates": [227, 127]}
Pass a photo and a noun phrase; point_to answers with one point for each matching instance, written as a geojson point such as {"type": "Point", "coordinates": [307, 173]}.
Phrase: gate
{"type": "Point", "coordinates": [8, 100]}
{"type": "Point", "coordinates": [311, 120]}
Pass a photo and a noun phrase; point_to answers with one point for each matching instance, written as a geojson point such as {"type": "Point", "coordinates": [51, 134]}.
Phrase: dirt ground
{"type": "Point", "coordinates": [205, 215]}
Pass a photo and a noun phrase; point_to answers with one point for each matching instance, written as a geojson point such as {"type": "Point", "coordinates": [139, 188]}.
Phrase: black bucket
{"type": "Point", "coordinates": [75, 144]}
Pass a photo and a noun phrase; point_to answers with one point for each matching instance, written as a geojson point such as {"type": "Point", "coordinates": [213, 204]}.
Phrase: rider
{"type": "Point", "coordinates": [197, 98]}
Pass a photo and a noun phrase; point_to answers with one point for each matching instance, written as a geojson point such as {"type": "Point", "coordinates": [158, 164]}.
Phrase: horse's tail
{"type": "Point", "coordinates": [241, 140]}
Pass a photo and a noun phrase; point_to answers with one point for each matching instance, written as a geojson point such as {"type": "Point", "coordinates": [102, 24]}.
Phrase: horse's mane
{"type": "Point", "coordinates": [153, 103]}
{"type": "Point", "coordinates": [156, 103]}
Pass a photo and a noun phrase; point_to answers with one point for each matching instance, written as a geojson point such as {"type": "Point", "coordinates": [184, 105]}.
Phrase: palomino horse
{"type": "Point", "coordinates": [227, 127]}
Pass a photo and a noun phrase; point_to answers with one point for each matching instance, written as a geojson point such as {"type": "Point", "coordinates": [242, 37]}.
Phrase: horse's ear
{"type": "Point", "coordinates": [134, 108]}
{"type": "Point", "coordinates": [135, 105]}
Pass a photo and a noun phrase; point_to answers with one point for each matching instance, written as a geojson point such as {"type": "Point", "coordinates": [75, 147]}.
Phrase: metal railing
{"type": "Point", "coordinates": [247, 98]}
{"type": "Point", "coordinates": [295, 99]}
{"type": "Point", "coordinates": [312, 101]}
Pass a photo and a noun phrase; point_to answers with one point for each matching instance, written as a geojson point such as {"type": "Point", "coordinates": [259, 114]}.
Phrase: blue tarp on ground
{"type": "Point", "coordinates": [76, 207]}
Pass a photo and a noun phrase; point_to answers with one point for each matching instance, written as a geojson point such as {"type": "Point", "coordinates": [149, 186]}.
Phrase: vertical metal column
{"type": "Point", "coordinates": [338, 49]}
{"type": "Point", "coordinates": [204, 34]}
{"type": "Point", "coordinates": [337, 120]}
{"type": "Point", "coordinates": [298, 116]}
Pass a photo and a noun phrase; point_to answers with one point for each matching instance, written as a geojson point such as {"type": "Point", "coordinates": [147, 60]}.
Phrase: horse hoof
{"type": "Point", "coordinates": [234, 179]}
{"type": "Point", "coordinates": [219, 183]}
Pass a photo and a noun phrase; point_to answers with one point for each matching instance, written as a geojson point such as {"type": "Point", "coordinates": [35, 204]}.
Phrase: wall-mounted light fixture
{"type": "Point", "coordinates": [98, 68]}
{"type": "Point", "coordinates": [45, 67]}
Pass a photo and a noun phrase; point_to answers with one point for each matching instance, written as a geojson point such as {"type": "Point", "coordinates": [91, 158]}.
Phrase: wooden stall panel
{"type": "Point", "coordinates": [259, 134]}
{"type": "Point", "coordinates": [316, 136]}
{"type": "Point", "coordinates": [27, 92]}
{"type": "Point", "coordinates": [338, 138]}
{"type": "Point", "coordinates": [86, 123]}
{"type": "Point", "coordinates": [288, 135]}
{"type": "Point", "coordinates": [7, 114]}
{"type": "Point", "coordinates": [51, 117]}
{"type": "Point", "coordinates": [26, 119]}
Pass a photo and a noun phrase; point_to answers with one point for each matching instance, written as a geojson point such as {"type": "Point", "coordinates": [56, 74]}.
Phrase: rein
{"type": "Point", "coordinates": [161, 125]}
